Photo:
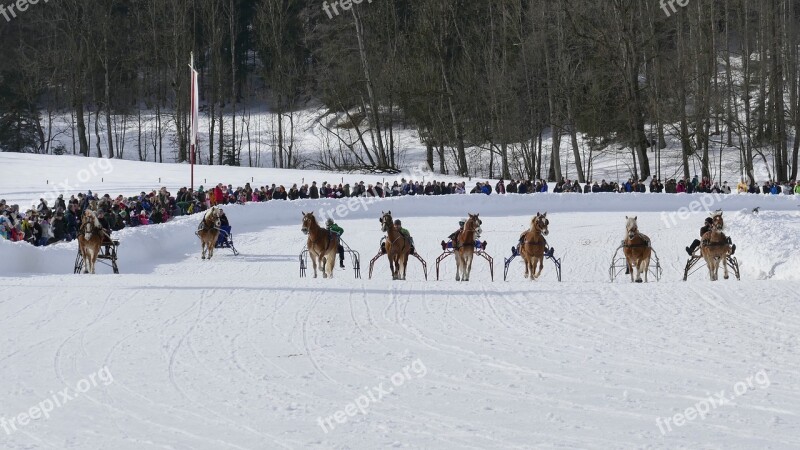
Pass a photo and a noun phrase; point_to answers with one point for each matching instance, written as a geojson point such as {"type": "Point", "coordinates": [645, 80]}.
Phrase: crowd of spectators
{"type": "Point", "coordinates": [47, 224]}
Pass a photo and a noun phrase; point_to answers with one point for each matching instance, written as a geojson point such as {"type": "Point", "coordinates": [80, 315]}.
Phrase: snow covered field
{"type": "Point", "coordinates": [239, 352]}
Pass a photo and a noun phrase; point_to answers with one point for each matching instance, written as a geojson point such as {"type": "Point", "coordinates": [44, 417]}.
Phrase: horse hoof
{"type": "Point", "coordinates": [204, 257]}
{"type": "Point", "coordinates": [638, 281]}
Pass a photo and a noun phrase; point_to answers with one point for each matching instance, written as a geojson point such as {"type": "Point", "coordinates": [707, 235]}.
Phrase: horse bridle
{"type": "Point", "coordinates": [474, 229]}
{"type": "Point", "coordinates": [633, 233]}
{"type": "Point", "coordinates": [212, 226]}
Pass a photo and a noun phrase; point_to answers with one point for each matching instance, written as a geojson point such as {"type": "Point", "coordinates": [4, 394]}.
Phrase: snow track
{"type": "Point", "coordinates": [240, 353]}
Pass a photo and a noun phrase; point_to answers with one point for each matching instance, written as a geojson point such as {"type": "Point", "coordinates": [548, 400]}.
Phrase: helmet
{"type": "Point", "coordinates": [329, 222]}
{"type": "Point", "coordinates": [397, 222]}
{"type": "Point", "coordinates": [709, 220]}
{"type": "Point", "coordinates": [462, 222]}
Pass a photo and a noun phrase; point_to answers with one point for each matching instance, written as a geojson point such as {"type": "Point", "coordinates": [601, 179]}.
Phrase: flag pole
{"type": "Point", "coordinates": [193, 115]}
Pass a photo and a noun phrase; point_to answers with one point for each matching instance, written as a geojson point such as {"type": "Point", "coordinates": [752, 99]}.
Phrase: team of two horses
{"type": "Point", "coordinates": [715, 249]}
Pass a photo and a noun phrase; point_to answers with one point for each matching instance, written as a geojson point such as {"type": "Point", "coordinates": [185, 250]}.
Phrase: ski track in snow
{"type": "Point", "coordinates": [239, 353]}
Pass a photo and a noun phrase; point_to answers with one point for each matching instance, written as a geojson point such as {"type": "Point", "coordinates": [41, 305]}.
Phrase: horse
{"type": "Point", "coordinates": [533, 244]}
{"type": "Point", "coordinates": [90, 239]}
{"type": "Point", "coordinates": [209, 231]}
{"type": "Point", "coordinates": [398, 248]}
{"type": "Point", "coordinates": [322, 245]}
{"type": "Point", "coordinates": [715, 248]}
{"type": "Point", "coordinates": [637, 250]}
{"type": "Point", "coordinates": [464, 247]}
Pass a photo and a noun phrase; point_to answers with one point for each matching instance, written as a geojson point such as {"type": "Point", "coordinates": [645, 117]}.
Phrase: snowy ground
{"type": "Point", "coordinates": [239, 352]}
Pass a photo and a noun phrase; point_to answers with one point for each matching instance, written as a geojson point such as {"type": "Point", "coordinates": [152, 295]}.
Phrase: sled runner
{"type": "Point", "coordinates": [382, 252]}
{"type": "Point", "coordinates": [225, 240]}
{"type": "Point", "coordinates": [355, 259]}
{"type": "Point", "coordinates": [619, 265]}
{"type": "Point", "coordinates": [696, 262]}
{"type": "Point", "coordinates": [107, 256]}
{"type": "Point", "coordinates": [515, 253]}
{"type": "Point", "coordinates": [478, 251]}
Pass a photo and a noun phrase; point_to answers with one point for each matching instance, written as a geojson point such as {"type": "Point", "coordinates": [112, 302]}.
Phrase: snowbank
{"type": "Point", "coordinates": [143, 248]}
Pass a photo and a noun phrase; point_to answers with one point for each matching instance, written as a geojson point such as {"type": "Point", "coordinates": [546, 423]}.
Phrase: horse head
{"type": "Point", "coordinates": [90, 224]}
{"type": "Point", "coordinates": [212, 217]}
{"type": "Point", "coordinates": [90, 220]}
{"type": "Point", "coordinates": [308, 221]}
{"type": "Point", "coordinates": [473, 224]}
{"type": "Point", "coordinates": [386, 221]}
{"type": "Point", "coordinates": [631, 227]}
{"type": "Point", "coordinates": [541, 223]}
{"type": "Point", "coordinates": [718, 224]}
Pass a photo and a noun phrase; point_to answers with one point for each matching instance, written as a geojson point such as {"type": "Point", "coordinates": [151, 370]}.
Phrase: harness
{"type": "Point", "coordinates": [542, 243]}
{"type": "Point", "coordinates": [456, 245]}
{"type": "Point", "coordinates": [644, 244]}
{"type": "Point", "coordinates": [205, 226]}
{"type": "Point", "coordinates": [331, 234]}
{"type": "Point", "coordinates": [707, 242]}
{"type": "Point", "coordinates": [98, 231]}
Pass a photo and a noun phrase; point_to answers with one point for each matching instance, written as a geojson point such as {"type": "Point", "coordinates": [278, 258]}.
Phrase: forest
{"type": "Point", "coordinates": [524, 81]}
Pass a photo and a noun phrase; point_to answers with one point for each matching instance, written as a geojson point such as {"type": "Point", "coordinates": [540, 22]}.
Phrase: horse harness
{"type": "Point", "coordinates": [456, 245]}
{"type": "Point", "coordinates": [644, 244]}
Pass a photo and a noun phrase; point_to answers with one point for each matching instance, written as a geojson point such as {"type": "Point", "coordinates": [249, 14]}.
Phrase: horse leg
{"type": "Point", "coordinates": [401, 268]}
{"type": "Point", "coordinates": [710, 263]}
{"type": "Point", "coordinates": [468, 266]}
{"type": "Point", "coordinates": [458, 265]}
{"type": "Point", "coordinates": [537, 263]}
{"type": "Point", "coordinates": [393, 267]}
{"type": "Point", "coordinates": [634, 268]}
{"type": "Point", "coordinates": [645, 269]}
{"type": "Point", "coordinates": [642, 270]}
{"type": "Point", "coordinates": [629, 268]}
{"type": "Point", "coordinates": [314, 259]}
{"type": "Point", "coordinates": [724, 262]}
{"type": "Point", "coordinates": [92, 259]}
{"type": "Point", "coordinates": [203, 248]}
{"type": "Point", "coordinates": [84, 254]}
{"type": "Point", "coordinates": [331, 263]}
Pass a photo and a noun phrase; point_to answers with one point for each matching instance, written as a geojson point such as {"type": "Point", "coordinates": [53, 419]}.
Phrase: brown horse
{"type": "Point", "coordinates": [209, 231]}
{"type": "Point", "coordinates": [637, 250]}
{"type": "Point", "coordinates": [398, 248]}
{"type": "Point", "coordinates": [90, 239]}
{"type": "Point", "coordinates": [322, 245]}
{"type": "Point", "coordinates": [715, 247]}
{"type": "Point", "coordinates": [533, 244]}
{"type": "Point", "coordinates": [464, 247]}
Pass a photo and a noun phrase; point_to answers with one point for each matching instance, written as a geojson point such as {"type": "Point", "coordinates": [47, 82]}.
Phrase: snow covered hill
{"type": "Point", "coordinates": [239, 352]}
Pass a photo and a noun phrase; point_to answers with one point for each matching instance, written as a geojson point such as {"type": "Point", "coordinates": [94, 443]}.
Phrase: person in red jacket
{"type": "Point", "coordinates": [218, 195]}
